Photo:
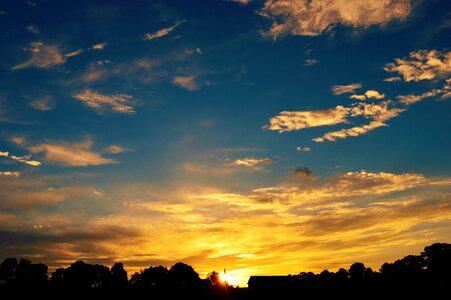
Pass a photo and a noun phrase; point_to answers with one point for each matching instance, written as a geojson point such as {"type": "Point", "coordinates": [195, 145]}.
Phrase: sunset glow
{"type": "Point", "coordinates": [266, 137]}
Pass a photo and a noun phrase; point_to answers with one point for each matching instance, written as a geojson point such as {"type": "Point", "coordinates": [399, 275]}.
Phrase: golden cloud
{"type": "Point", "coordinates": [120, 103]}
{"type": "Point", "coordinates": [71, 154]}
{"type": "Point", "coordinates": [44, 56]}
{"type": "Point", "coordinates": [186, 82]}
{"type": "Point", "coordinates": [326, 223]}
{"type": "Point", "coordinates": [311, 18]}
{"type": "Point", "coordinates": [162, 32]}
{"type": "Point", "coordinates": [421, 65]}
{"type": "Point", "coordinates": [297, 120]}
{"type": "Point", "coordinates": [345, 89]}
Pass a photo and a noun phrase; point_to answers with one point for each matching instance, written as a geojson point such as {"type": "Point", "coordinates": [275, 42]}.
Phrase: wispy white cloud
{"type": "Point", "coordinates": [44, 56]}
{"type": "Point", "coordinates": [120, 103]}
{"type": "Point", "coordinates": [421, 65]}
{"type": "Point", "coordinates": [162, 32]}
{"type": "Point", "coordinates": [45, 103]}
{"type": "Point", "coordinates": [71, 154]}
{"type": "Point", "coordinates": [313, 17]}
{"type": "Point", "coordinates": [344, 89]}
{"type": "Point", "coordinates": [186, 82]}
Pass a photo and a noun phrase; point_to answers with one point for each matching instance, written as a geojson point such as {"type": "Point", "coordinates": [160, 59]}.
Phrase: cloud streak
{"type": "Point", "coordinates": [26, 159]}
{"type": "Point", "coordinates": [162, 32]}
{"type": "Point", "coordinates": [45, 104]}
{"type": "Point", "coordinates": [71, 154]}
{"type": "Point", "coordinates": [444, 93]}
{"type": "Point", "coordinates": [186, 82]}
{"type": "Point", "coordinates": [346, 89]}
{"type": "Point", "coordinates": [10, 173]}
{"type": "Point", "coordinates": [44, 56]}
{"type": "Point", "coordinates": [379, 113]}
{"type": "Point", "coordinates": [118, 103]}
{"type": "Point", "coordinates": [250, 162]}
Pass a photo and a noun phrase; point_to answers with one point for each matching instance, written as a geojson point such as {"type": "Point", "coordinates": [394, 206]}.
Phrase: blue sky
{"type": "Point", "coordinates": [165, 120]}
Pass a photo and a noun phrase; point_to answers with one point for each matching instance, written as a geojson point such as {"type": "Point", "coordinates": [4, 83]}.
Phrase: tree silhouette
{"type": "Point", "coordinates": [119, 278]}
{"type": "Point", "coordinates": [57, 278]}
{"type": "Point", "coordinates": [183, 275]}
{"type": "Point", "coordinates": [8, 270]}
{"type": "Point", "coordinates": [30, 274]}
{"type": "Point", "coordinates": [438, 263]}
{"type": "Point", "coordinates": [214, 278]}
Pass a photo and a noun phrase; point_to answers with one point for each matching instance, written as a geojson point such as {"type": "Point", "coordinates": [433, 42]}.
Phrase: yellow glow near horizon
{"type": "Point", "coordinates": [232, 277]}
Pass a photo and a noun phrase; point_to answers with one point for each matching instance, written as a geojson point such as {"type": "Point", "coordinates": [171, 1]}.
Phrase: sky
{"type": "Point", "coordinates": [265, 137]}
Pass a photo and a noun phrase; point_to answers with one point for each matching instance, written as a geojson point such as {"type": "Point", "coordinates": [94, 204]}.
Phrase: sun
{"type": "Point", "coordinates": [228, 277]}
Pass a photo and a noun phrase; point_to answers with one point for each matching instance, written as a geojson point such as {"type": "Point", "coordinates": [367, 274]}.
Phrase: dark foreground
{"type": "Point", "coordinates": [230, 293]}
{"type": "Point", "coordinates": [424, 276]}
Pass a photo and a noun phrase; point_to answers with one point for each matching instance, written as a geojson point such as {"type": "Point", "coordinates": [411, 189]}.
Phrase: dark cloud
{"type": "Point", "coordinates": [303, 171]}
{"type": "Point", "coordinates": [50, 246]}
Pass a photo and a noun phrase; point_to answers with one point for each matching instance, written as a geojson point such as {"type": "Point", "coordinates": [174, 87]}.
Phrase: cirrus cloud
{"type": "Point", "coordinates": [344, 89]}
{"type": "Point", "coordinates": [119, 103]}
{"type": "Point", "coordinates": [45, 56]}
{"type": "Point", "coordinates": [46, 103]}
{"type": "Point", "coordinates": [71, 154]}
{"type": "Point", "coordinates": [186, 82]}
{"type": "Point", "coordinates": [162, 32]}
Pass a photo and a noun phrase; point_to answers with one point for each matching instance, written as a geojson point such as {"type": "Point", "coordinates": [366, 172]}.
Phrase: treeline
{"type": "Point", "coordinates": [429, 270]}
{"type": "Point", "coordinates": [81, 275]}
